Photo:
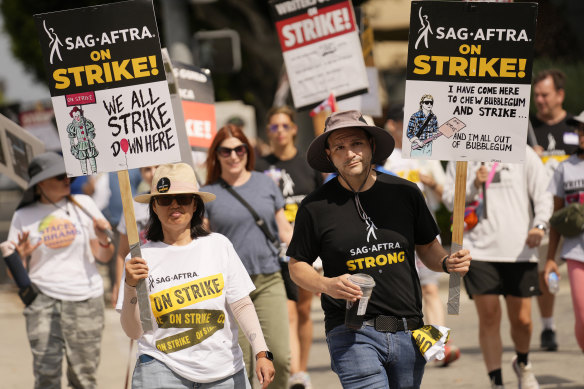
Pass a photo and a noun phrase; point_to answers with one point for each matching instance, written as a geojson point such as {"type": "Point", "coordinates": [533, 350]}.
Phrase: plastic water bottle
{"type": "Point", "coordinates": [553, 283]}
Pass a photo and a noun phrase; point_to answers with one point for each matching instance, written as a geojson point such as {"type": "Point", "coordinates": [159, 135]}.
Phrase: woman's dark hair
{"type": "Point", "coordinates": [154, 227]}
{"type": "Point", "coordinates": [213, 164]}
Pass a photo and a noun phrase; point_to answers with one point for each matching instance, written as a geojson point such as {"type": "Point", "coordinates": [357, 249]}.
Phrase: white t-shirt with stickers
{"type": "Point", "coordinates": [190, 288]}
{"type": "Point", "coordinates": [63, 266]}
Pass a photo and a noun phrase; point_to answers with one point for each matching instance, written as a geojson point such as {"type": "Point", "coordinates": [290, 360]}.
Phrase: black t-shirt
{"type": "Point", "coordinates": [328, 226]}
{"type": "Point", "coordinates": [294, 177]}
{"type": "Point", "coordinates": [552, 138]}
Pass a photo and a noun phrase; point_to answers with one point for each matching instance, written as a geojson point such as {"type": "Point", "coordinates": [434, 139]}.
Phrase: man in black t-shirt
{"type": "Point", "coordinates": [367, 222]}
{"type": "Point", "coordinates": [556, 141]}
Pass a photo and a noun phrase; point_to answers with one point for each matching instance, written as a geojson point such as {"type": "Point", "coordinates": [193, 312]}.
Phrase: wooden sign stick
{"type": "Point", "coordinates": [457, 233]}
{"type": "Point", "coordinates": [134, 242]}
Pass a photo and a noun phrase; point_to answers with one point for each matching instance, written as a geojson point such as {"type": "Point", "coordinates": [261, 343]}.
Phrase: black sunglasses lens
{"type": "Point", "coordinates": [429, 102]}
{"type": "Point", "coordinates": [184, 199]}
{"type": "Point", "coordinates": [164, 200]}
{"type": "Point", "coordinates": [224, 152]}
{"type": "Point", "coordinates": [240, 150]}
{"type": "Point", "coordinates": [61, 177]}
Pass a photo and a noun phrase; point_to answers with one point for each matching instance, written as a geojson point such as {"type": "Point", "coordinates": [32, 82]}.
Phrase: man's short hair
{"type": "Point", "coordinates": [558, 77]}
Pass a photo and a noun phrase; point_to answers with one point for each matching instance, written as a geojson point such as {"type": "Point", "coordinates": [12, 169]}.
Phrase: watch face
{"type": "Point", "coordinates": [269, 355]}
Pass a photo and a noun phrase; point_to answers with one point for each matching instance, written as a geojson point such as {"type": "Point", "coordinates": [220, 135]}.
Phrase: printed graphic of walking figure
{"type": "Point", "coordinates": [54, 43]}
{"type": "Point", "coordinates": [81, 133]}
{"type": "Point", "coordinates": [424, 30]}
{"type": "Point", "coordinates": [422, 128]}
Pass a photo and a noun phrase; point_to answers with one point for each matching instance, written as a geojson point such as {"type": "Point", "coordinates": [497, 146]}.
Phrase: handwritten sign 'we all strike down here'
{"type": "Point", "coordinates": [108, 86]}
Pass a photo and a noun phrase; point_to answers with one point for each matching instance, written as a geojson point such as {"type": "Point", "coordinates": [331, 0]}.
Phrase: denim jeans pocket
{"type": "Point", "coordinates": [145, 358]}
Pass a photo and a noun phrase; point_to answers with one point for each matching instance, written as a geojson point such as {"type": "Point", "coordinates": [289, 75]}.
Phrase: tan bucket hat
{"type": "Point", "coordinates": [316, 155]}
{"type": "Point", "coordinates": [171, 179]}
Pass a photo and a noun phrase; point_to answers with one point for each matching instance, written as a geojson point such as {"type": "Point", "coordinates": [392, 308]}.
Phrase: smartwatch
{"type": "Point", "coordinates": [265, 354]}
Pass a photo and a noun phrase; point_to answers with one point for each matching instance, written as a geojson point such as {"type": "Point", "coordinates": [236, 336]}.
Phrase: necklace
{"type": "Point", "coordinates": [370, 226]}
{"type": "Point", "coordinates": [65, 209]}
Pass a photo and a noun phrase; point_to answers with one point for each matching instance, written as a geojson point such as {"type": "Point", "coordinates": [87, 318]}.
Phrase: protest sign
{"type": "Point", "coordinates": [321, 49]}
{"type": "Point", "coordinates": [17, 149]}
{"type": "Point", "coordinates": [467, 91]}
{"type": "Point", "coordinates": [181, 130]}
{"type": "Point", "coordinates": [469, 81]}
{"type": "Point", "coordinates": [108, 86]}
{"type": "Point", "coordinates": [198, 97]}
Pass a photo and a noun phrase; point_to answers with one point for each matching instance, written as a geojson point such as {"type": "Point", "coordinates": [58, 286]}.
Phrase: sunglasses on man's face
{"type": "Point", "coordinates": [165, 201]}
{"type": "Point", "coordinates": [428, 102]}
{"type": "Point", "coordinates": [274, 127]}
{"type": "Point", "coordinates": [225, 152]}
{"type": "Point", "coordinates": [61, 177]}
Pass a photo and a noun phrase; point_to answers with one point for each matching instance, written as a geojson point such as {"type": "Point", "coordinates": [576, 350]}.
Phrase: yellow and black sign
{"type": "Point", "coordinates": [100, 47]}
{"type": "Point", "coordinates": [479, 42]}
{"type": "Point", "coordinates": [427, 336]}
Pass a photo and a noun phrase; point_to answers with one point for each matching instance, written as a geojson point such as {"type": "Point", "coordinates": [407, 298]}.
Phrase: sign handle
{"type": "Point", "coordinates": [134, 242]}
{"type": "Point", "coordinates": [457, 233]}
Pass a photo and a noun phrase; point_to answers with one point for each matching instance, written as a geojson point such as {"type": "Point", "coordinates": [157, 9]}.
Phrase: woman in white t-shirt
{"type": "Point", "coordinates": [198, 291]}
{"type": "Point", "coordinates": [567, 186]}
{"type": "Point", "coordinates": [58, 243]}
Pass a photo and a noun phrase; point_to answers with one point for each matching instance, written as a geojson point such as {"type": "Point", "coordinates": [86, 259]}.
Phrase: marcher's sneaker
{"type": "Point", "coordinates": [451, 354]}
{"type": "Point", "coordinates": [300, 380]}
{"type": "Point", "coordinates": [548, 340]}
{"type": "Point", "coordinates": [525, 375]}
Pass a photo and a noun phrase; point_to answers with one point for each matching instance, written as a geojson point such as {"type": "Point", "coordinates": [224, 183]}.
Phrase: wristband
{"type": "Point", "coordinates": [444, 264]}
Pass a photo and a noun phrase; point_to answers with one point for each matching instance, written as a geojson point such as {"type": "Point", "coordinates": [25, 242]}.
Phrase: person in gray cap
{"type": "Point", "coordinates": [57, 241]}
{"type": "Point", "coordinates": [363, 221]}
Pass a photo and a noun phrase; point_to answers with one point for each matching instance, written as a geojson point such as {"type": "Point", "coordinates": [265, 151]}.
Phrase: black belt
{"type": "Point", "coordinates": [394, 324]}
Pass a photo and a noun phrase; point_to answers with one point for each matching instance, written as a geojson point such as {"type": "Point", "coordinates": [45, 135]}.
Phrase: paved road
{"type": "Point", "coordinates": [563, 369]}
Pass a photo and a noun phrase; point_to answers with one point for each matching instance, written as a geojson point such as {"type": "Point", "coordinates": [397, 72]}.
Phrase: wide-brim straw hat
{"type": "Point", "coordinates": [316, 155]}
{"type": "Point", "coordinates": [42, 167]}
{"type": "Point", "coordinates": [172, 179]}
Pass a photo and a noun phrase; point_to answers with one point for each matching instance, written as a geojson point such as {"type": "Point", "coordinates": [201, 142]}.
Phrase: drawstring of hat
{"type": "Point", "coordinates": [362, 214]}
{"type": "Point", "coordinates": [54, 204]}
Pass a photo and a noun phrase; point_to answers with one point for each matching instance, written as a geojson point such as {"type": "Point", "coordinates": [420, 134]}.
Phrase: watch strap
{"type": "Point", "coordinates": [265, 354]}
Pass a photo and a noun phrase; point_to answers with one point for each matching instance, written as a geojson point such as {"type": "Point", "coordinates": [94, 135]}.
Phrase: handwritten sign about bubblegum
{"type": "Point", "coordinates": [469, 81]}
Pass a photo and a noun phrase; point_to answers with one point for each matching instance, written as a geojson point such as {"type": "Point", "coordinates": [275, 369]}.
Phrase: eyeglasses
{"type": "Point", "coordinates": [183, 199]}
{"type": "Point", "coordinates": [61, 177]}
{"type": "Point", "coordinates": [225, 152]}
{"type": "Point", "coordinates": [274, 127]}
{"type": "Point", "coordinates": [428, 102]}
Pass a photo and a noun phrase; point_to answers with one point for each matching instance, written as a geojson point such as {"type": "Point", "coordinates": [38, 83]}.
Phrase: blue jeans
{"type": "Point", "coordinates": [370, 359]}
{"type": "Point", "coordinates": [150, 373]}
